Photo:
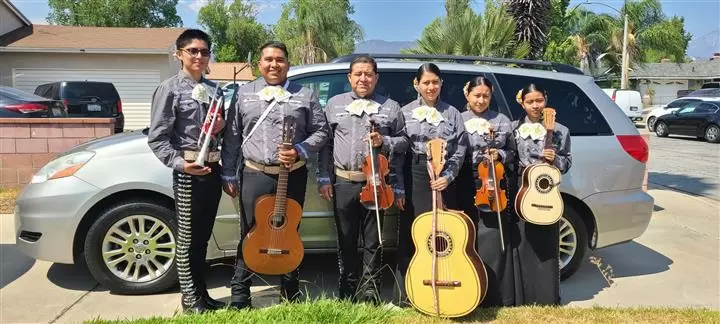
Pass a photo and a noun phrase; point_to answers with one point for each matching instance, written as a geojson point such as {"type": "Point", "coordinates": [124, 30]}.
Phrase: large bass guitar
{"type": "Point", "coordinates": [444, 241]}
{"type": "Point", "coordinates": [273, 245]}
{"type": "Point", "coordinates": [539, 201]}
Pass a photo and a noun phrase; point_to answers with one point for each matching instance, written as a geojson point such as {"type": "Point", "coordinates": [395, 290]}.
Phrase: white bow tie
{"type": "Point", "coordinates": [358, 106]}
{"type": "Point", "coordinates": [535, 131]}
{"type": "Point", "coordinates": [274, 92]}
{"type": "Point", "coordinates": [478, 125]}
{"type": "Point", "coordinates": [428, 114]}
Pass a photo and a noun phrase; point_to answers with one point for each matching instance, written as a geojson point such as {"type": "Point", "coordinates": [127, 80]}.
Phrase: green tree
{"type": "Point", "coordinates": [114, 13]}
{"type": "Point", "coordinates": [532, 19]}
{"type": "Point", "coordinates": [317, 30]}
{"type": "Point", "coordinates": [234, 30]}
{"type": "Point", "coordinates": [491, 34]}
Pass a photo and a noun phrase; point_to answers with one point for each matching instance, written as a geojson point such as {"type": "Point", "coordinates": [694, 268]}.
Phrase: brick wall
{"type": "Point", "coordinates": [27, 144]}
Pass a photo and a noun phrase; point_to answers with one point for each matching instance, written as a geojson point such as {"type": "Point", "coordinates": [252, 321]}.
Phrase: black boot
{"type": "Point", "coordinates": [198, 307]}
{"type": "Point", "coordinates": [211, 304]}
{"type": "Point", "coordinates": [240, 305]}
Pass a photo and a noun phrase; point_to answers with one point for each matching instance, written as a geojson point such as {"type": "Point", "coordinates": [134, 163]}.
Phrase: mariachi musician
{"type": "Point", "coordinates": [179, 106]}
{"type": "Point", "coordinates": [350, 116]}
{"type": "Point", "coordinates": [254, 138]}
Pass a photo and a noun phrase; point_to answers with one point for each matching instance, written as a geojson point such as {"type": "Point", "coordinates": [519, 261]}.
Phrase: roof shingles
{"type": "Point", "coordinates": [67, 37]}
{"type": "Point", "coordinates": [693, 70]}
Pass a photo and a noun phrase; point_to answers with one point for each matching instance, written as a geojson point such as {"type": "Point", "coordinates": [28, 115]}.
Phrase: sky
{"type": "Point", "coordinates": [404, 20]}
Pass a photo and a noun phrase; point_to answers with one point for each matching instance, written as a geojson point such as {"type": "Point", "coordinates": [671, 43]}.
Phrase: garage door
{"type": "Point", "coordinates": [666, 90]}
{"type": "Point", "coordinates": [134, 86]}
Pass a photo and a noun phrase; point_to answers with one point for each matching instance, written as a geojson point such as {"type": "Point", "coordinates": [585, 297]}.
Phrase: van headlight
{"type": "Point", "coordinates": [63, 166]}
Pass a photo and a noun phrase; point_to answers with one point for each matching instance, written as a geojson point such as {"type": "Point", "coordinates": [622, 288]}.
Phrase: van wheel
{"type": "Point", "coordinates": [573, 242]}
{"type": "Point", "coordinates": [131, 247]}
{"type": "Point", "coordinates": [661, 129]}
{"type": "Point", "coordinates": [712, 134]}
{"type": "Point", "coordinates": [651, 124]}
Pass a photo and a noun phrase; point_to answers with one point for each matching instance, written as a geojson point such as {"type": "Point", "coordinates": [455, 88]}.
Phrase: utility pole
{"type": "Point", "coordinates": [625, 58]}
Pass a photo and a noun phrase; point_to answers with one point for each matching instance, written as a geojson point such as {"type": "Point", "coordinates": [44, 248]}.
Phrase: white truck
{"type": "Point", "coordinates": [629, 101]}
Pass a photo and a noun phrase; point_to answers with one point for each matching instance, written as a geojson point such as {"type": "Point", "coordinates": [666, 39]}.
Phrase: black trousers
{"type": "Point", "coordinates": [527, 271]}
{"type": "Point", "coordinates": [418, 200]}
{"type": "Point", "coordinates": [353, 219]}
{"type": "Point", "coordinates": [196, 205]}
{"type": "Point", "coordinates": [254, 185]}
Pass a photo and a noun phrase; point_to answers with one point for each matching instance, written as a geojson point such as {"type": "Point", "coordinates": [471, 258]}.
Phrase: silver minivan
{"type": "Point", "coordinates": [119, 192]}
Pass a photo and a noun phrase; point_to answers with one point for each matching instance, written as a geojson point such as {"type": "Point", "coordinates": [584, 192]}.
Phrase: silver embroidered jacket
{"type": "Point", "coordinates": [348, 147]}
{"type": "Point", "coordinates": [176, 119]}
{"type": "Point", "coordinates": [477, 143]}
{"type": "Point", "coordinates": [451, 129]}
{"type": "Point", "coordinates": [311, 131]}
{"type": "Point", "coordinates": [529, 151]}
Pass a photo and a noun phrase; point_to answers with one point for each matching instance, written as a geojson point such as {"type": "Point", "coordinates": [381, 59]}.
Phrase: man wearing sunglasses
{"type": "Point", "coordinates": [177, 119]}
{"type": "Point", "coordinates": [253, 137]}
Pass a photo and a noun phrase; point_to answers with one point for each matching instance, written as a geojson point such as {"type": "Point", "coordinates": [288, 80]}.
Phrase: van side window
{"type": "Point", "coordinates": [574, 109]}
{"type": "Point", "coordinates": [394, 85]}
{"type": "Point", "coordinates": [326, 85]}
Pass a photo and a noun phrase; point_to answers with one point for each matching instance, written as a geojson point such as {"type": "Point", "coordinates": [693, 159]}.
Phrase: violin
{"type": "Point", "coordinates": [491, 196]}
{"type": "Point", "coordinates": [376, 194]}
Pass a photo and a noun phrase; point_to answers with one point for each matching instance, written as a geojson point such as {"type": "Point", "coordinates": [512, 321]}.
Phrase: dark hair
{"type": "Point", "coordinates": [478, 81]}
{"type": "Point", "coordinates": [427, 67]}
{"type": "Point", "coordinates": [275, 44]}
{"type": "Point", "coordinates": [532, 87]}
{"type": "Point", "coordinates": [188, 35]}
{"type": "Point", "coordinates": [364, 59]}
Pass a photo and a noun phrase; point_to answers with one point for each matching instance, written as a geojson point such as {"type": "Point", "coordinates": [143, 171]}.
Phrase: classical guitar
{"type": "Point", "coordinates": [273, 245]}
{"type": "Point", "coordinates": [444, 244]}
{"type": "Point", "coordinates": [539, 201]}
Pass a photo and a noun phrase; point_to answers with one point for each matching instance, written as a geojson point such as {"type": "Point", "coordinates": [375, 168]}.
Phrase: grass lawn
{"type": "Point", "coordinates": [332, 311]}
{"type": "Point", "coordinates": [7, 200]}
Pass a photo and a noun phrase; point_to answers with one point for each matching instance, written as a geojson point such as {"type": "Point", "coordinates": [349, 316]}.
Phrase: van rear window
{"type": "Point", "coordinates": [82, 90]}
{"type": "Point", "coordinates": [574, 109]}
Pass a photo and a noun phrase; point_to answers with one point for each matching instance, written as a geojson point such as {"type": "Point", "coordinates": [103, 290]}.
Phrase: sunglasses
{"type": "Point", "coordinates": [194, 51]}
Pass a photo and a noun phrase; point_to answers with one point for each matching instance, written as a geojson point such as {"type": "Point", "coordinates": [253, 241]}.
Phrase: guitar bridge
{"type": "Point", "coordinates": [274, 251]}
{"type": "Point", "coordinates": [442, 283]}
{"type": "Point", "coordinates": [542, 206]}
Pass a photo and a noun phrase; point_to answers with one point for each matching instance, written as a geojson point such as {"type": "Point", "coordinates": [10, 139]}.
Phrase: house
{"type": "Point", "coordinates": [135, 60]}
{"type": "Point", "coordinates": [227, 72]}
{"type": "Point", "coordinates": [666, 79]}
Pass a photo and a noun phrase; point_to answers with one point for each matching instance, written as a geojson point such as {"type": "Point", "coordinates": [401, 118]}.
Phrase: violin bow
{"type": "Point", "coordinates": [495, 192]}
{"type": "Point", "coordinates": [374, 182]}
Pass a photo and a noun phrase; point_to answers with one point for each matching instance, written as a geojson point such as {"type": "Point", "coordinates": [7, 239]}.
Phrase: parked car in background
{"type": "Point", "coordinates": [699, 119]}
{"type": "Point", "coordinates": [16, 103]}
{"type": "Point", "coordinates": [86, 99]}
{"type": "Point", "coordinates": [629, 101]}
{"type": "Point", "coordinates": [75, 211]}
{"type": "Point", "coordinates": [710, 85]}
{"type": "Point", "coordinates": [707, 92]}
{"type": "Point", "coordinates": [671, 107]}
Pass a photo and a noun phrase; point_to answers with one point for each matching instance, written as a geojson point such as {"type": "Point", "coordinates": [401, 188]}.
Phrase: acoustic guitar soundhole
{"type": "Point", "coordinates": [443, 243]}
{"type": "Point", "coordinates": [544, 184]}
{"type": "Point", "coordinates": [277, 221]}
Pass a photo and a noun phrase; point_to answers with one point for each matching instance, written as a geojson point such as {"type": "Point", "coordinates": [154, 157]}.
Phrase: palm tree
{"type": "Point", "coordinates": [532, 18]}
{"type": "Point", "coordinates": [317, 30]}
{"type": "Point", "coordinates": [491, 34]}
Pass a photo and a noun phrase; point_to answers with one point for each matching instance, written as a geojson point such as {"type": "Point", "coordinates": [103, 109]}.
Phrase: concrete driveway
{"type": "Point", "coordinates": [675, 263]}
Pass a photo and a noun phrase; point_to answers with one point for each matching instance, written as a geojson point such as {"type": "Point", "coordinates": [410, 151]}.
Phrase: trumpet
{"type": "Point", "coordinates": [214, 107]}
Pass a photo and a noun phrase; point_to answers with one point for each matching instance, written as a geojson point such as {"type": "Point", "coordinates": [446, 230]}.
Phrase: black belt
{"type": "Point", "coordinates": [419, 158]}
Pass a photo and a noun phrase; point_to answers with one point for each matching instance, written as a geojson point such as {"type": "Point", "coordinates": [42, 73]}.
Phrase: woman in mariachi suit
{"type": "Point", "coordinates": [532, 264]}
{"type": "Point", "coordinates": [426, 118]}
{"type": "Point", "coordinates": [478, 120]}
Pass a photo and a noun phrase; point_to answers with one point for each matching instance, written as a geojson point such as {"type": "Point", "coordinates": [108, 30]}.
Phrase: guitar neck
{"type": "Point", "coordinates": [281, 192]}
